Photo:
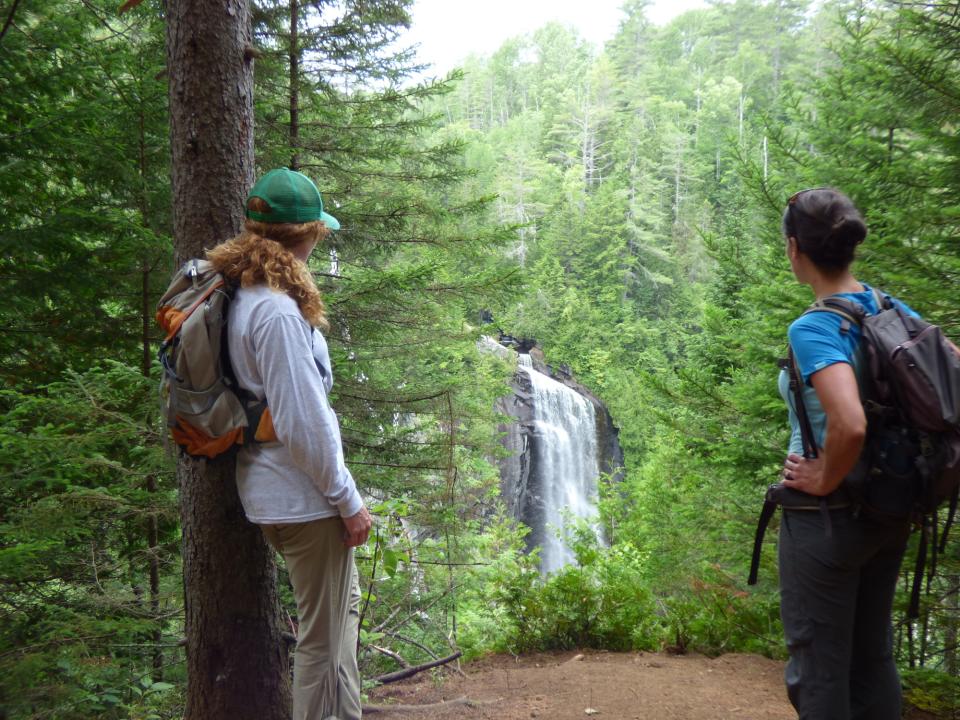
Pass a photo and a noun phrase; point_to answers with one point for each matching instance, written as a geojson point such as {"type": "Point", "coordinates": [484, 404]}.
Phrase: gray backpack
{"type": "Point", "coordinates": [207, 412]}
{"type": "Point", "coordinates": [910, 388]}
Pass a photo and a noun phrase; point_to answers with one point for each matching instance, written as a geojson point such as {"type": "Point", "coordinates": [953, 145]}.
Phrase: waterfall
{"type": "Point", "coordinates": [564, 465]}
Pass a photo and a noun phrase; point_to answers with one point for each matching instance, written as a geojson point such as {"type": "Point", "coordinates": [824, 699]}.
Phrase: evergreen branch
{"type": "Point", "coordinates": [387, 444]}
{"type": "Point", "coordinates": [417, 612]}
{"type": "Point", "coordinates": [124, 33]}
{"type": "Point", "coordinates": [55, 641]}
{"type": "Point", "coordinates": [394, 465]}
{"type": "Point", "coordinates": [395, 400]}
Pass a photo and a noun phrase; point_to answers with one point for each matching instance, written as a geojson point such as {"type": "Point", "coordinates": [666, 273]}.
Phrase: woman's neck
{"type": "Point", "coordinates": [302, 251]}
{"type": "Point", "coordinates": [825, 285]}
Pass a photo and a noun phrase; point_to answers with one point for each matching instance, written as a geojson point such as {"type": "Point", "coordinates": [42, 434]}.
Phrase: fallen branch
{"type": "Point", "coordinates": [411, 671]}
{"type": "Point", "coordinates": [373, 709]}
{"type": "Point", "coordinates": [410, 641]}
{"type": "Point", "coordinates": [390, 654]}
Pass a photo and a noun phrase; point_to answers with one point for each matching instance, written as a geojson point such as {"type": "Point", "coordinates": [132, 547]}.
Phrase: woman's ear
{"type": "Point", "coordinates": [792, 248]}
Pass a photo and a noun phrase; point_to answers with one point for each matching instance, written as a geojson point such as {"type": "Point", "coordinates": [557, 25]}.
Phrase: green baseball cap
{"type": "Point", "coordinates": [292, 197]}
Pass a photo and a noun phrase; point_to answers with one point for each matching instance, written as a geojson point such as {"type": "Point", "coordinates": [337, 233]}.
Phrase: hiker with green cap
{"type": "Point", "coordinates": [295, 485]}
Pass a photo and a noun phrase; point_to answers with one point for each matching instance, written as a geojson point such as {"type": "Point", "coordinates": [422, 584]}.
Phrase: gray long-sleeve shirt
{"type": "Point", "coordinates": [275, 355]}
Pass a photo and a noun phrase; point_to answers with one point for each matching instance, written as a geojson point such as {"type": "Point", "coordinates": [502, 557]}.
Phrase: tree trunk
{"type": "Point", "coordinates": [766, 157]}
{"type": "Point", "coordinates": [911, 657]}
{"type": "Point", "coordinates": [153, 540]}
{"type": "Point", "coordinates": [237, 664]}
{"type": "Point", "coordinates": [740, 119]}
{"type": "Point", "coordinates": [924, 636]}
{"type": "Point", "coordinates": [951, 604]}
{"type": "Point", "coordinates": [294, 87]}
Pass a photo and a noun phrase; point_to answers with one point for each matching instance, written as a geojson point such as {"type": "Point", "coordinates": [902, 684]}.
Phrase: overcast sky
{"type": "Point", "coordinates": [450, 30]}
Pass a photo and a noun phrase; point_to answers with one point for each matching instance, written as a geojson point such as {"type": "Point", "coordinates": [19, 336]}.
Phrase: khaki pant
{"type": "Point", "coordinates": [326, 681]}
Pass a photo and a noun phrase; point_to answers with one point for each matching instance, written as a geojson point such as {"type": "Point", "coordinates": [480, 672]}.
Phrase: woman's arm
{"type": "Point", "coordinates": [302, 417]}
{"type": "Point", "coordinates": [837, 390]}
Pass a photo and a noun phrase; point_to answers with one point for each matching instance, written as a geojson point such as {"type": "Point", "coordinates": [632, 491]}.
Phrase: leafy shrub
{"type": "Point", "coordinates": [601, 601]}
{"type": "Point", "coordinates": [715, 615]}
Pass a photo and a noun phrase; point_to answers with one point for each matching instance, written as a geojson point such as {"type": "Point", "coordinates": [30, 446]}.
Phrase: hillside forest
{"type": "Point", "coordinates": [618, 205]}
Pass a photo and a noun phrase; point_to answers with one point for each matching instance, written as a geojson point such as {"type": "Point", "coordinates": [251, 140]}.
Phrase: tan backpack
{"type": "Point", "coordinates": [207, 412]}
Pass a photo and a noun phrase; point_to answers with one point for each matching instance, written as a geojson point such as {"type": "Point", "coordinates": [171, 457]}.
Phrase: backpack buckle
{"type": "Point", "coordinates": [193, 272]}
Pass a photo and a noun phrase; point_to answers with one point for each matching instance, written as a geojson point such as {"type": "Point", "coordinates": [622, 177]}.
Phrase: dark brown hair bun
{"type": "Point", "coordinates": [827, 227]}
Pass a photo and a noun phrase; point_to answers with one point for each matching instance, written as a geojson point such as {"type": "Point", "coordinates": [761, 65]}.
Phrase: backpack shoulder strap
{"type": "Point", "coordinates": [884, 301]}
{"type": "Point", "coordinates": [230, 292]}
{"type": "Point", "coordinates": [850, 312]}
{"type": "Point", "coordinates": [800, 408]}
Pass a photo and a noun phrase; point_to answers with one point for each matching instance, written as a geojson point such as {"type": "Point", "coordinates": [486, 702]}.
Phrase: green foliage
{"type": "Point", "coordinates": [932, 691]}
{"type": "Point", "coordinates": [653, 263]}
{"type": "Point", "coordinates": [621, 206]}
{"type": "Point", "coordinates": [83, 191]}
{"type": "Point", "coordinates": [714, 615]}
{"type": "Point", "coordinates": [601, 601]}
{"type": "Point", "coordinates": [86, 478]}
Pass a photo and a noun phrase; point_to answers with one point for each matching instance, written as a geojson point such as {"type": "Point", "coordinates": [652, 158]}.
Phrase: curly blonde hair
{"type": "Point", "coordinates": [261, 255]}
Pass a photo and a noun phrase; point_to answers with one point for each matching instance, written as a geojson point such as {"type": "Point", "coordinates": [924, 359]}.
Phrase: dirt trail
{"type": "Point", "coordinates": [564, 686]}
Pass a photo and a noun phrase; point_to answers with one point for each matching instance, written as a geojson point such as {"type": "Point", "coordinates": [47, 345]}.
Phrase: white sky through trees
{"type": "Point", "coordinates": [447, 31]}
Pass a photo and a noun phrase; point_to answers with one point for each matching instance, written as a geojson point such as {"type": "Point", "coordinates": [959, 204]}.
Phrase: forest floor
{"type": "Point", "coordinates": [574, 685]}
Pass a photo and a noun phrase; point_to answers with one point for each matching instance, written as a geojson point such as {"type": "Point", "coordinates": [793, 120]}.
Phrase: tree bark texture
{"type": "Point", "coordinates": [294, 86]}
{"type": "Point", "coordinates": [237, 664]}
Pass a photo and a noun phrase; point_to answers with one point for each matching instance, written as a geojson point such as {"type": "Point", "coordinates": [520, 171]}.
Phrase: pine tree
{"type": "Point", "coordinates": [84, 121]}
{"type": "Point", "coordinates": [85, 208]}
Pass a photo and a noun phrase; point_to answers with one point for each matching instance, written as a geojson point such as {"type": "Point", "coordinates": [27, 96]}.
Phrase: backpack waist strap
{"type": "Point", "coordinates": [779, 495]}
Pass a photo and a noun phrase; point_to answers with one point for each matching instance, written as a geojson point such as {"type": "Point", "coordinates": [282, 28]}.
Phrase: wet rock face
{"type": "Point", "coordinates": [521, 483]}
{"type": "Point", "coordinates": [516, 440]}
{"type": "Point", "coordinates": [608, 440]}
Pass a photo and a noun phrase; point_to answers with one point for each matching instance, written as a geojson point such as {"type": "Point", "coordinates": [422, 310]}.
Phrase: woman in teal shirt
{"type": "Point", "coordinates": [838, 569]}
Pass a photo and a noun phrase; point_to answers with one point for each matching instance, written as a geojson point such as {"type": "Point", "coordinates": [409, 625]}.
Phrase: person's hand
{"type": "Point", "coordinates": [357, 528]}
{"type": "Point", "coordinates": [804, 474]}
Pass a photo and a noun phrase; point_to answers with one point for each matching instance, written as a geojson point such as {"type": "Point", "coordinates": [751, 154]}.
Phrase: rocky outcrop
{"type": "Point", "coordinates": [516, 439]}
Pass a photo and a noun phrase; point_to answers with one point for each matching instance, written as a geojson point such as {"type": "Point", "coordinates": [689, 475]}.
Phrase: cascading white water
{"type": "Point", "coordinates": [565, 461]}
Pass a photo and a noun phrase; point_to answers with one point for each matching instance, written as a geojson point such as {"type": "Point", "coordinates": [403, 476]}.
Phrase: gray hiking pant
{"type": "Point", "coordinates": [836, 598]}
{"type": "Point", "coordinates": [326, 681]}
